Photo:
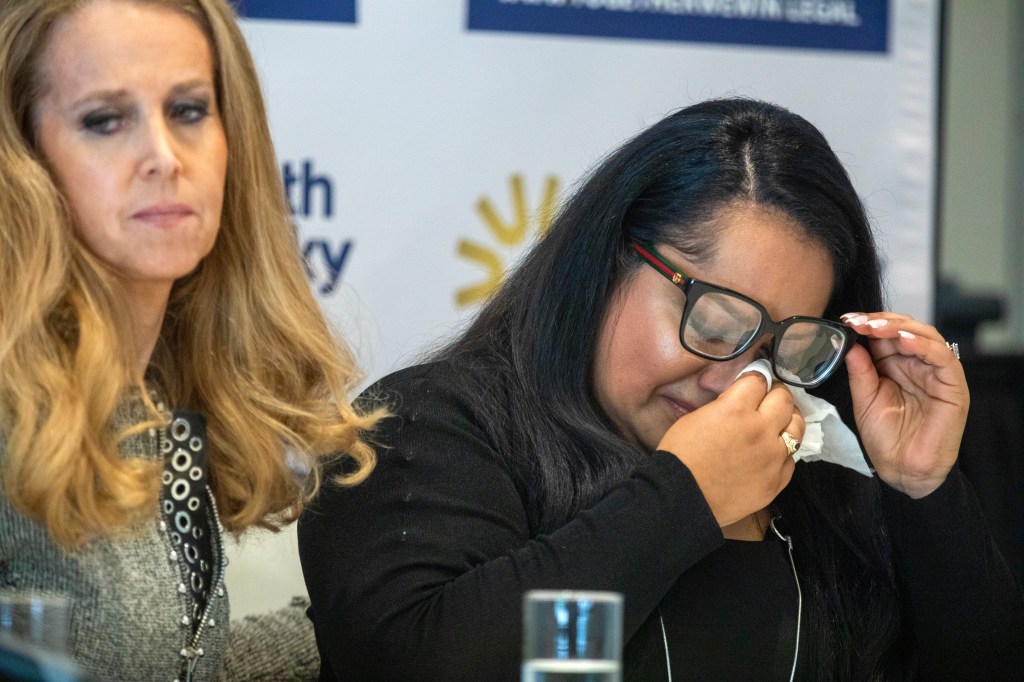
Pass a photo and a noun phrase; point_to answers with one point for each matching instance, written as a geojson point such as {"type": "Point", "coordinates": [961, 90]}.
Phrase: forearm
{"type": "Point", "coordinates": [419, 600]}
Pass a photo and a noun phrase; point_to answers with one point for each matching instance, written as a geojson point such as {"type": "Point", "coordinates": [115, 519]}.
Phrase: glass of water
{"type": "Point", "coordinates": [41, 620]}
{"type": "Point", "coordinates": [572, 636]}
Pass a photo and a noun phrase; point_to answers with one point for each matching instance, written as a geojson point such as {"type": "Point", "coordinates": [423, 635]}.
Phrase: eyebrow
{"type": "Point", "coordinates": [120, 95]}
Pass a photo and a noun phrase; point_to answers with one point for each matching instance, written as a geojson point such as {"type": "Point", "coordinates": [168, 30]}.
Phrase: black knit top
{"type": "Point", "coordinates": [418, 573]}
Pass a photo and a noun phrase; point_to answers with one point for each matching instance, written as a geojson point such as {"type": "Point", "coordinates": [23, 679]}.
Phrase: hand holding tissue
{"type": "Point", "coordinates": [826, 438]}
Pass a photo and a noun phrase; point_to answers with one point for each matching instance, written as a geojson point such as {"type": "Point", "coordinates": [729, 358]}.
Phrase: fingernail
{"type": "Point", "coordinates": [906, 335]}
{"type": "Point", "coordinates": [845, 316]}
{"type": "Point", "coordinates": [857, 319]}
{"type": "Point", "coordinates": [875, 324]}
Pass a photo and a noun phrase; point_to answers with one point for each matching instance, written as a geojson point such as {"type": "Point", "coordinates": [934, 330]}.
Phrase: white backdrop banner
{"type": "Point", "coordinates": [424, 143]}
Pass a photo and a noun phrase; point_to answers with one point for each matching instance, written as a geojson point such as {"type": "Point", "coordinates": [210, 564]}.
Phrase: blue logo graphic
{"type": "Point", "coordinates": [325, 261]}
{"type": "Point", "coordinates": [311, 195]}
{"type": "Point", "coordinates": [858, 25]}
{"type": "Point", "coordinates": [336, 11]}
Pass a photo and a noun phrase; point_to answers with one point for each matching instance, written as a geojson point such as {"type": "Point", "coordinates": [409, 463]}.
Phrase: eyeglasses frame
{"type": "Point", "coordinates": [767, 326]}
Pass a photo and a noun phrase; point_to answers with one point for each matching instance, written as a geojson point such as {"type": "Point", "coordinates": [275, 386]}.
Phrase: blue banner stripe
{"type": "Point", "coordinates": [335, 11]}
{"type": "Point", "coordinates": [858, 25]}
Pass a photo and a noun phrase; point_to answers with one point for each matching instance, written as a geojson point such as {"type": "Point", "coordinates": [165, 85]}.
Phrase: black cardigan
{"type": "Point", "coordinates": [418, 573]}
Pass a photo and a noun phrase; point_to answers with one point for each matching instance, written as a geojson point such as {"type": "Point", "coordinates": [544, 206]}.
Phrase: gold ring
{"type": "Point", "coordinates": [792, 444]}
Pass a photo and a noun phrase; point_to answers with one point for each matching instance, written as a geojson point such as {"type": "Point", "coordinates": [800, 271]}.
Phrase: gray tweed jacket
{"type": "Point", "coordinates": [129, 617]}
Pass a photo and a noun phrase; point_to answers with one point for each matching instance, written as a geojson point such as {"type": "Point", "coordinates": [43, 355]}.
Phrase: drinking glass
{"type": "Point", "coordinates": [41, 620]}
{"type": "Point", "coordinates": [572, 636]}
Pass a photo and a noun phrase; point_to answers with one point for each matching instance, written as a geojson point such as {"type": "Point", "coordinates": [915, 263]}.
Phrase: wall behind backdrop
{"type": "Point", "coordinates": [423, 145]}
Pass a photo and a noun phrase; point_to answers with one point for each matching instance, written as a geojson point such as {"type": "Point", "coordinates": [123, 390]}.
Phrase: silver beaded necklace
{"type": "Point", "coordinates": [799, 610]}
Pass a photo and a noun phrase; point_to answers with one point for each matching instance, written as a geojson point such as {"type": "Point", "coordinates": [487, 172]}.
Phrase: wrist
{"type": "Point", "coordinates": [914, 487]}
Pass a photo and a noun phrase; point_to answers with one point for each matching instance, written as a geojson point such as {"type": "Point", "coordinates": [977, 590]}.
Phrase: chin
{"type": "Point", "coordinates": [176, 268]}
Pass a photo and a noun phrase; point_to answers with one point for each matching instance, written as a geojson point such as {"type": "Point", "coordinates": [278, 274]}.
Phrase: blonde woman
{"type": "Point", "coordinates": [159, 346]}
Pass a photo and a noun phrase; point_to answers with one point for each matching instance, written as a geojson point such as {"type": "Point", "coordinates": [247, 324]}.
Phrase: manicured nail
{"type": "Point", "coordinates": [906, 335]}
{"type": "Point", "coordinates": [875, 324]}
{"type": "Point", "coordinates": [846, 316]}
{"type": "Point", "coordinates": [857, 320]}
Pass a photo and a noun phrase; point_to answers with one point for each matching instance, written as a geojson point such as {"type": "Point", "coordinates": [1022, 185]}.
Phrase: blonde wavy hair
{"type": "Point", "coordinates": [243, 340]}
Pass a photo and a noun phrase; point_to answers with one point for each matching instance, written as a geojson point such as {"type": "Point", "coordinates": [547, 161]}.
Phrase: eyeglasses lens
{"type": "Point", "coordinates": [808, 352]}
{"type": "Point", "coordinates": [720, 325]}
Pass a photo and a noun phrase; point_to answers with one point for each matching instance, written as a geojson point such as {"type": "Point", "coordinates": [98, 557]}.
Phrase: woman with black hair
{"type": "Point", "coordinates": [589, 431]}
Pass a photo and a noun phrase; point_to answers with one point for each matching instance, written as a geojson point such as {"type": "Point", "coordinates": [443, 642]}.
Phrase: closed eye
{"type": "Point", "coordinates": [105, 121]}
{"type": "Point", "coordinates": [189, 112]}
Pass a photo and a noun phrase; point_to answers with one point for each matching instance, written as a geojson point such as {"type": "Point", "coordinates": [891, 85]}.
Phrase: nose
{"type": "Point", "coordinates": [160, 156]}
{"type": "Point", "coordinates": [718, 375]}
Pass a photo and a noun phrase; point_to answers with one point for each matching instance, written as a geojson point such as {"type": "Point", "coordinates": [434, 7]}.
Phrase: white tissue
{"type": "Point", "coordinates": [827, 438]}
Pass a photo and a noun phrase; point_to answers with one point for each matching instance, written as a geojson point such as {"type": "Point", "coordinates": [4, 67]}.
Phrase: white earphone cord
{"type": "Point", "coordinates": [799, 611]}
{"type": "Point", "coordinates": [799, 597]}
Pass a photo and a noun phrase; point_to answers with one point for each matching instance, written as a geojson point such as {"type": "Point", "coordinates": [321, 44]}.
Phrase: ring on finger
{"type": "Point", "coordinates": [954, 348]}
{"type": "Point", "coordinates": [792, 443]}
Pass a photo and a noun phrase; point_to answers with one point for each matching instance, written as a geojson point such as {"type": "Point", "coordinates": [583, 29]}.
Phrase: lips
{"type": "Point", "coordinates": [681, 407]}
{"type": "Point", "coordinates": [164, 214]}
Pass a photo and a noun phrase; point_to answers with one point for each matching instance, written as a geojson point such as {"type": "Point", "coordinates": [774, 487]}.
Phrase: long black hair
{"type": "Point", "coordinates": [536, 342]}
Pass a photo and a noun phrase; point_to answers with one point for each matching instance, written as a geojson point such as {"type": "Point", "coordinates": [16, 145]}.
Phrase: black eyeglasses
{"type": "Point", "coordinates": [721, 324]}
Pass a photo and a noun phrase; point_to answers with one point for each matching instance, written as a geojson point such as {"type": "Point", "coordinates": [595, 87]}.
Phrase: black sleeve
{"type": "Point", "coordinates": [965, 607]}
{"type": "Point", "coordinates": [419, 572]}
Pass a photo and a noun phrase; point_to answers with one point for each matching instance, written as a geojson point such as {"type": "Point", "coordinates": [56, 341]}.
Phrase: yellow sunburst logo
{"type": "Point", "coordinates": [510, 235]}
